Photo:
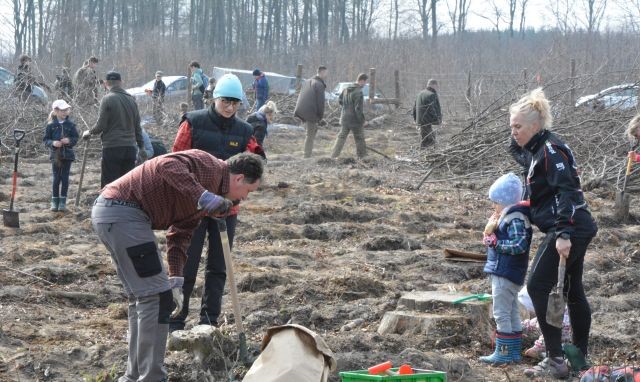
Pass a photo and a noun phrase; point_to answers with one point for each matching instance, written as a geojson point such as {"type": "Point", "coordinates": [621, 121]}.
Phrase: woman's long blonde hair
{"type": "Point", "coordinates": [534, 107]}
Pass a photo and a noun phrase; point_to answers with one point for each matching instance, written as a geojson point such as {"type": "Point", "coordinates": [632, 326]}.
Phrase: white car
{"type": "Point", "coordinates": [619, 97]}
{"type": "Point", "coordinates": [176, 90]}
{"type": "Point", "coordinates": [335, 93]}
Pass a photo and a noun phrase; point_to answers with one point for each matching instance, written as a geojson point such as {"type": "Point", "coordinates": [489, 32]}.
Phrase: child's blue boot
{"type": "Point", "coordinates": [517, 348]}
{"type": "Point", "coordinates": [505, 349]}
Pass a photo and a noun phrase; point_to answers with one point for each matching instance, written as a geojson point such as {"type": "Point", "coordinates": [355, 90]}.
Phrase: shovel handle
{"type": "Point", "coordinates": [562, 267]}
{"type": "Point", "coordinates": [18, 135]}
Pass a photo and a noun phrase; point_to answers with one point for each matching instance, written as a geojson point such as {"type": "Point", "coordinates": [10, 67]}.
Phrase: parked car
{"type": "Point", "coordinates": [335, 93]}
{"type": "Point", "coordinates": [176, 90]}
{"type": "Point", "coordinates": [7, 79]}
{"type": "Point", "coordinates": [619, 97]}
{"type": "Point", "coordinates": [278, 83]}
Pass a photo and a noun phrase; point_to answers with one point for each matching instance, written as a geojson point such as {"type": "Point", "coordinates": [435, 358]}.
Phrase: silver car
{"type": "Point", "coordinates": [176, 90]}
{"type": "Point", "coordinates": [6, 82]}
{"type": "Point", "coordinates": [619, 97]}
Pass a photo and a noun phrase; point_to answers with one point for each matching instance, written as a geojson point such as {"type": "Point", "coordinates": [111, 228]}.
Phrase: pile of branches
{"type": "Point", "coordinates": [480, 149]}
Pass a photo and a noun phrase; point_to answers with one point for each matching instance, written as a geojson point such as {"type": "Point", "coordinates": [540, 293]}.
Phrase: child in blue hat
{"type": "Point", "coordinates": [507, 237]}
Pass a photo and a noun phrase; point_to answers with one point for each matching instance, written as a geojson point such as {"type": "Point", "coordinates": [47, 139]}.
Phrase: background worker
{"type": "Point", "coordinates": [310, 106]}
{"type": "Point", "coordinates": [352, 117]}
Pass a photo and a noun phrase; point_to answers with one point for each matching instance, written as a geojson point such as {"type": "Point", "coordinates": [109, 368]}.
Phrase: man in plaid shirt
{"type": "Point", "coordinates": [172, 192]}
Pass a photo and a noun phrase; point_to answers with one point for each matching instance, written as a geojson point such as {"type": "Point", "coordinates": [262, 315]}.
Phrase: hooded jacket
{"type": "Point", "coordinates": [352, 102]}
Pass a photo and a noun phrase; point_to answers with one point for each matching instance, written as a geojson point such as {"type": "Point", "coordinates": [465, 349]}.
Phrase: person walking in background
{"type": "Point", "coordinates": [507, 237]}
{"type": "Point", "coordinates": [352, 117]}
{"type": "Point", "coordinates": [261, 119]}
{"type": "Point", "coordinates": [157, 94]}
{"type": "Point", "coordinates": [125, 215]}
{"type": "Point", "coordinates": [260, 87]}
{"type": "Point", "coordinates": [119, 128]}
{"type": "Point", "coordinates": [426, 112]}
{"type": "Point", "coordinates": [197, 86]}
{"type": "Point", "coordinates": [60, 137]}
{"type": "Point", "coordinates": [87, 83]}
{"type": "Point", "coordinates": [208, 92]}
{"type": "Point", "coordinates": [64, 85]}
{"type": "Point", "coordinates": [559, 210]}
{"type": "Point", "coordinates": [310, 106]}
{"type": "Point", "coordinates": [218, 131]}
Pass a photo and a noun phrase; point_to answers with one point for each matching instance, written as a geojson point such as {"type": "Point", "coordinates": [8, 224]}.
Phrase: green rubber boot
{"type": "Point", "coordinates": [62, 204]}
{"type": "Point", "coordinates": [54, 203]}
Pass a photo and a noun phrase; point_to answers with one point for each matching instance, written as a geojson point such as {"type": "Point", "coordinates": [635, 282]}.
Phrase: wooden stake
{"type": "Point", "coordinates": [299, 77]}
{"type": "Point", "coordinates": [372, 84]}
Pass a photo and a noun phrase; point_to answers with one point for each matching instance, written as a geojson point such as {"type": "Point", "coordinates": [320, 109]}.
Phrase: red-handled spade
{"type": "Point", "coordinates": [11, 218]}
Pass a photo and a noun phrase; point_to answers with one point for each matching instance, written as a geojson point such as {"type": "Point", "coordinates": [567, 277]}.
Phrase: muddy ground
{"type": "Point", "coordinates": [324, 243]}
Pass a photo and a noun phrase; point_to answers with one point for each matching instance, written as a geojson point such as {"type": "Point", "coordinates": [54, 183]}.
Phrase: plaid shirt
{"type": "Point", "coordinates": [168, 188]}
{"type": "Point", "coordinates": [517, 243]}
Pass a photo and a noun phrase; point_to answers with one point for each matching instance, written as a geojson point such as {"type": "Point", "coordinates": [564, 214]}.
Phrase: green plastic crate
{"type": "Point", "coordinates": [419, 376]}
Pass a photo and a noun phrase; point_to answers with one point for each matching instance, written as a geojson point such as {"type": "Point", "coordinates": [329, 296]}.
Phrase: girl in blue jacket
{"type": "Point", "coordinates": [60, 136]}
{"type": "Point", "coordinates": [508, 238]}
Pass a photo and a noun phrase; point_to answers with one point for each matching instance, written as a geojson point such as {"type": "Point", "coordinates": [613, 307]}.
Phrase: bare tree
{"type": "Point", "coordinates": [594, 11]}
{"type": "Point", "coordinates": [424, 10]}
{"type": "Point", "coordinates": [523, 9]}
{"type": "Point", "coordinates": [496, 15]}
{"type": "Point", "coordinates": [564, 13]}
{"type": "Point", "coordinates": [458, 15]}
{"type": "Point", "coordinates": [512, 15]}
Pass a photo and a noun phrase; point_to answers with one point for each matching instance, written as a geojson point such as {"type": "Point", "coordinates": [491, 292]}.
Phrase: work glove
{"type": "Point", "coordinates": [490, 240]}
{"type": "Point", "coordinates": [214, 204]}
{"type": "Point", "coordinates": [86, 135]}
{"type": "Point", "coordinates": [176, 291]}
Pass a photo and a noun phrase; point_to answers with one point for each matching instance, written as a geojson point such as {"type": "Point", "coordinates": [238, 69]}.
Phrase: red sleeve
{"type": "Point", "coordinates": [254, 147]}
{"type": "Point", "coordinates": [183, 138]}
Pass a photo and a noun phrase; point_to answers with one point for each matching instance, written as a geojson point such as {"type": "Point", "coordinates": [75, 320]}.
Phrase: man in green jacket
{"type": "Point", "coordinates": [119, 128]}
{"type": "Point", "coordinates": [426, 112]}
{"type": "Point", "coordinates": [352, 117]}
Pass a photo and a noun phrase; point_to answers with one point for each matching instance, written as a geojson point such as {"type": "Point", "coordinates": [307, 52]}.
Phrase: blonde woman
{"type": "Point", "coordinates": [633, 131]}
{"type": "Point", "coordinates": [559, 210]}
{"type": "Point", "coordinates": [261, 119]}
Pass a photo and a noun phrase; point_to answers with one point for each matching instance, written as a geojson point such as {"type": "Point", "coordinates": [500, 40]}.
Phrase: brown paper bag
{"type": "Point", "coordinates": [292, 353]}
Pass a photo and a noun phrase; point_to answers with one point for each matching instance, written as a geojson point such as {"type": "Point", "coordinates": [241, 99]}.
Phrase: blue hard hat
{"type": "Point", "coordinates": [228, 86]}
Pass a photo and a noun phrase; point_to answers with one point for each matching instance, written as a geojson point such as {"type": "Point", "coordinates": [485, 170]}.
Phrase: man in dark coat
{"type": "Point", "coordinates": [119, 128]}
{"type": "Point", "coordinates": [426, 112]}
{"type": "Point", "coordinates": [310, 106]}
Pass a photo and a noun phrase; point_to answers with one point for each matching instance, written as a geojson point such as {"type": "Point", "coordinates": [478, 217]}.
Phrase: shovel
{"type": "Point", "coordinates": [82, 168]}
{"type": "Point", "coordinates": [237, 313]}
{"type": "Point", "coordinates": [556, 303]}
{"type": "Point", "coordinates": [11, 218]}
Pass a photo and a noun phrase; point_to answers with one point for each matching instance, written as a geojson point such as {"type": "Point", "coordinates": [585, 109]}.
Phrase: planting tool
{"type": "Point", "coordinates": [556, 303]}
{"type": "Point", "coordinates": [11, 218]}
{"type": "Point", "coordinates": [479, 297]}
{"type": "Point", "coordinates": [237, 313]}
{"type": "Point", "coordinates": [84, 165]}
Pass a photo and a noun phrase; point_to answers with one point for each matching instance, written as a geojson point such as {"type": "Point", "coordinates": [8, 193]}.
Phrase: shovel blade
{"type": "Point", "coordinates": [555, 309]}
{"type": "Point", "coordinates": [11, 218]}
